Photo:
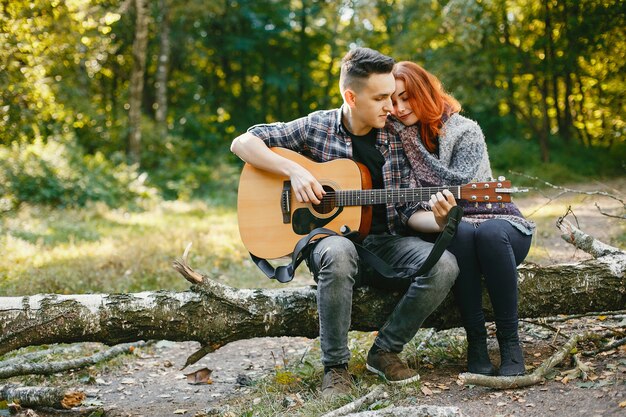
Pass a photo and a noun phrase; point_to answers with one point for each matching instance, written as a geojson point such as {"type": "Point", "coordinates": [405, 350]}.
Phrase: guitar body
{"type": "Point", "coordinates": [272, 221]}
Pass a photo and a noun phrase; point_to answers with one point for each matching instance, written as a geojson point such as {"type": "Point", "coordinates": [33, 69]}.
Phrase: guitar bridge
{"type": "Point", "coordinates": [285, 202]}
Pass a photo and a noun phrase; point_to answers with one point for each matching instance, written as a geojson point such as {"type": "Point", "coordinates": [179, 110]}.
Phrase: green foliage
{"type": "Point", "coordinates": [569, 162]}
{"type": "Point", "coordinates": [57, 173]}
{"type": "Point", "coordinates": [544, 79]}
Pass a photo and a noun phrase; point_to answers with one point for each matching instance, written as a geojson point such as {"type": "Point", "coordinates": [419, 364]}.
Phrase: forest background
{"type": "Point", "coordinates": [109, 100]}
{"type": "Point", "coordinates": [116, 115]}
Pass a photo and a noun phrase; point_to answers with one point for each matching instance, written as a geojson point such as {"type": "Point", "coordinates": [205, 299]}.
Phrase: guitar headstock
{"type": "Point", "coordinates": [488, 192]}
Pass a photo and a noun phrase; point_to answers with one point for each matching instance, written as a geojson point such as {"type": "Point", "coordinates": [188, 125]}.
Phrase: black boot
{"type": "Point", "coordinates": [511, 355]}
{"type": "Point", "coordinates": [477, 355]}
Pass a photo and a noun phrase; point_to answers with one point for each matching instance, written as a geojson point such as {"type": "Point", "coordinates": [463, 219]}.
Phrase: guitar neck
{"type": "Point", "coordinates": [384, 196]}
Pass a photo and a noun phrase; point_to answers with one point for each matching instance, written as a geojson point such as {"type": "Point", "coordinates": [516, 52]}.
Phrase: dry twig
{"type": "Point", "coordinates": [539, 375]}
{"type": "Point", "coordinates": [14, 369]}
{"type": "Point", "coordinates": [376, 393]}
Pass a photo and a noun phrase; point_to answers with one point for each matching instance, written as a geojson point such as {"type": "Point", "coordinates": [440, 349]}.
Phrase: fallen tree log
{"type": "Point", "coordinates": [215, 314]}
{"type": "Point", "coordinates": [41, 396]}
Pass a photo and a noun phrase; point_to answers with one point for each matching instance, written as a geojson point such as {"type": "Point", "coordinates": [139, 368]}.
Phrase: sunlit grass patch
{"type": "Point", "coordinates": [97, 249]}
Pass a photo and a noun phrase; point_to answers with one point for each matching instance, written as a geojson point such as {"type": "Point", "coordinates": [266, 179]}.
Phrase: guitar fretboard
{"type": "Point", "coordinates": [382, 196]}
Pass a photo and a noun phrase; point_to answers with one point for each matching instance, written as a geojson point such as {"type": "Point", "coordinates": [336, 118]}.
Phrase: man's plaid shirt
{"type": "Point", "coordinates": [322, 137]}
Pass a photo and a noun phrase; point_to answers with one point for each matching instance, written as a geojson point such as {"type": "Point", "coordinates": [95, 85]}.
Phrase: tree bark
{"type": "Point", "coordinates": [41, 396]}
{"type": "Point", "coordinates": [136, 80]}
{"type": "Point", "coordinates": [162, 70]}
{"type": "Point", "coordinates": [215, 314]}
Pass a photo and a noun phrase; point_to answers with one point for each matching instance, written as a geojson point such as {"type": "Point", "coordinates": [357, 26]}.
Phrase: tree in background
{"type": "Point", "coordinates": [538, 76]}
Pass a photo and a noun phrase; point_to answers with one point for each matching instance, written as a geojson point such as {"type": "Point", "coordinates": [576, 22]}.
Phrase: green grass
{"type": "Point", "coordinates": [98, 249]}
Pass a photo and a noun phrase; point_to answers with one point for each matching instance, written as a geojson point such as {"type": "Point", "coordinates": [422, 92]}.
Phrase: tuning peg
{"type": "Point", "coordinates": [475, 205]}
{"type": "Point", "coordinates": [489, 206]}
{"type": "Point", "coordinates": [501, 205]}
{"type": "Point", "coordinates": [501, 178]}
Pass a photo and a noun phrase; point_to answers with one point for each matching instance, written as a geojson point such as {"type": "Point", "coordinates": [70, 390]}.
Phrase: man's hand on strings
{"type": "Point", "coordinates": [305, 186]}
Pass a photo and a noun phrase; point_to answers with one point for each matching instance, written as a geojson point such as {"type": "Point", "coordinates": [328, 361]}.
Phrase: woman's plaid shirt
{"type": "Point", "coordinates": [322, 137]}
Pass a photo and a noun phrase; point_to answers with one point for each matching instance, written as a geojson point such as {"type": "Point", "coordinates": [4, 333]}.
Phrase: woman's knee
{"type": "Point", "coordinates": [492, 230]}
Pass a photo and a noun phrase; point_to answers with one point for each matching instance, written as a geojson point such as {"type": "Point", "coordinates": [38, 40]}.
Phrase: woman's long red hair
{"type": "Point", "coordinates": [428, 100]}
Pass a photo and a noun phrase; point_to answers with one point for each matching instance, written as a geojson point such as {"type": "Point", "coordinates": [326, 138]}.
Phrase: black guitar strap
{"type": "Point", "coordinates": [285, 273]}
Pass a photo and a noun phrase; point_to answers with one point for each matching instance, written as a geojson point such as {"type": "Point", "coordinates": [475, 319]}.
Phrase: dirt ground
{"type": "Point", "coordinates": [152, 384]}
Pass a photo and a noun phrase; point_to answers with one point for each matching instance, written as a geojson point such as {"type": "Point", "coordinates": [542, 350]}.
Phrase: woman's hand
{"type": "Point", "coordinates": [441, 203]}
{"type": "Point", "coordinates": [433, 221]}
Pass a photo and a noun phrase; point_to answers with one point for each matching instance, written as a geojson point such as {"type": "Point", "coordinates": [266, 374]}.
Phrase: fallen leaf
{"type": "Point", "coordinates": [622, 404]}
{"type": "Point", "coordinates": [426, 391]}
{"type": "Point", "coordinates": [180, 411]}
{"type": "Point", "coordinates": [201, 376]}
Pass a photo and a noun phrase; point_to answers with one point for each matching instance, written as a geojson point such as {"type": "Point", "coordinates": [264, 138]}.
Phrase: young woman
{"type": "Point", "coordinates": [445, 148]}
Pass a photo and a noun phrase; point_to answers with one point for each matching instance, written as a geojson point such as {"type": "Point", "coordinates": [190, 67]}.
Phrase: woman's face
{"type": "Point", "coordinates": [401, 108]}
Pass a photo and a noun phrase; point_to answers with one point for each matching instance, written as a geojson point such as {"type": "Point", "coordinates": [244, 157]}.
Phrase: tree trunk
{"type": "Point", "coordinates": [136, 81]}
{"type": "Point", "coordinates": [215, 314]}
{"type": "Point", "coordinates": [162, 70]}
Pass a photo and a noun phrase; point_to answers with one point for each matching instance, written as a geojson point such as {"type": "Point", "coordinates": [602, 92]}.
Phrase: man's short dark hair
{"type": "Point", "coordinates": [358, 64]}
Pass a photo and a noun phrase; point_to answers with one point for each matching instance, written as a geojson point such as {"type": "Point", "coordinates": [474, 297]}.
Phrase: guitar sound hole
{"type": "Point", "coordinates": [328, 203]}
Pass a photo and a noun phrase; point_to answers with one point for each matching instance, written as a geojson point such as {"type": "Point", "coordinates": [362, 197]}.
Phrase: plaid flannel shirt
{"type": "Point", "coordinates": [322, 137]}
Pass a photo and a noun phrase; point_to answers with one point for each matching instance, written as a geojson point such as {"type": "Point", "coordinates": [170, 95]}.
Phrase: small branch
{"type": "Point", "coordinates": [41, 396]}
{"type": "Point", "coordinates": [545, 325]}
{"type": "Point", "coordinates": [414, 411]}
{"type": "Point", "coordinates": [373, 395]}
{"type": "Point", "coordinates": [54, 367]}
{"type": "Point", "coordinates": [38, 354]}
{"type": "Point", "coordinates": [606, 348]}
{"type": "Point", "coordinates": [622, 217]}
{"type": "Point", "coordinates": [187, 273]}
{"type": "Point", "coordinates": [583, 241]}
{"type": "Point", "coordinates": [617, 314]}
{"type": "Point", "coordinates": [508, 382]}
{"type": "Point", "coordinates": [571, 190]}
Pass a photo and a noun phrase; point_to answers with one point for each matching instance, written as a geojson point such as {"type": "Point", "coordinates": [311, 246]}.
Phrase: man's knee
{"type": "Point", "coordinates": [337, 254]}
{"type": "Point", "coordinates": [446, 270]}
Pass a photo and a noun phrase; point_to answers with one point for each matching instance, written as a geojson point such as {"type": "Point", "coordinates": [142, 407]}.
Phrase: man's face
{"type": "Point", "coordinates": [373, 101]}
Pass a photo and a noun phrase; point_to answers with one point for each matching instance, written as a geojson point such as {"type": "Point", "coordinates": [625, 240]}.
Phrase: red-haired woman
{"type": "Point", "coordinates": [445, 148]}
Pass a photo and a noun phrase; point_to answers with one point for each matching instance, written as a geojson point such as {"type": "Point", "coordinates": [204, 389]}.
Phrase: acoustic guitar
{"type": "Point", "coordinates": [271, 220]}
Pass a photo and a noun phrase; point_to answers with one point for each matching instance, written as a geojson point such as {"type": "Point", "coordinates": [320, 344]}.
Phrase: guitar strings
{"type": "Point", "coordinates": [377, 196]}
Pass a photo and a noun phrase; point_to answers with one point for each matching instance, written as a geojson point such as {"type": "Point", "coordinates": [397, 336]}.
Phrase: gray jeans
{"type": "Point", "coordinates": [337, 269]}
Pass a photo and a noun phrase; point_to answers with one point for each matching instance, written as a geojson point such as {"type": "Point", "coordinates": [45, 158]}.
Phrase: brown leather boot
{"type": "Point", "coordinates": [389, 366]}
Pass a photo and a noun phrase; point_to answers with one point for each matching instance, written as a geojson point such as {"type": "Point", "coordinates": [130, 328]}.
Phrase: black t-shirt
{"type": "Point", "coordinates": [364, 151]}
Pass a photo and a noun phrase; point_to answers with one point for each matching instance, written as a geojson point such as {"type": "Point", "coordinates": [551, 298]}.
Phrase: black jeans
{"type": "Point", "coordinates": [493, 250]}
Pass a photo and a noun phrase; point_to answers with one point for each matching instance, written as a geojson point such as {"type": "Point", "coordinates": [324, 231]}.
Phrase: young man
{"type": "Point", "coordinates": [357, 131]}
